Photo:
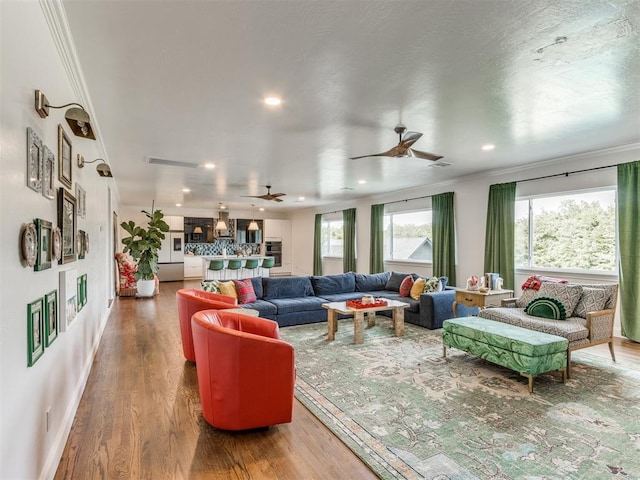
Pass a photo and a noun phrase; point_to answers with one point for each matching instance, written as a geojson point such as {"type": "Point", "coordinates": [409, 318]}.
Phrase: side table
{"type": "Point", "coordinates": [476, 298]}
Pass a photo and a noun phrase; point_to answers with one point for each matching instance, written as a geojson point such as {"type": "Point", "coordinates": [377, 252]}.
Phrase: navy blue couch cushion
{"type": "Point", "coordinates": [257, 286]}
{"type": "Point", "coordinates": [330, 284]}
{"type": "Point", "coordinates": [263, 307]}
{"type": "Point", "coordinates": [395, 280]}
{"type": "Point", "coordinates": [286, 287]}
{"type": "Point", "coordinates": [371, 282]}
{"type": "Point", "coordinates": [301, 304]}
{"type": "Point", "coordinates": [342, 297]}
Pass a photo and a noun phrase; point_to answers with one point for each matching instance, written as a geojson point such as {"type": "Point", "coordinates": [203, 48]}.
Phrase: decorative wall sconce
{"type": "Point", "coordinates": [77, 118]}
{"type": "Point", "coordinates": [103, 169]}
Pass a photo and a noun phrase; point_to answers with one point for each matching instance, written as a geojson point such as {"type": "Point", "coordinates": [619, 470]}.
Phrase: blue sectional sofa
{"type": "Point", "coordinates": [298, 300]}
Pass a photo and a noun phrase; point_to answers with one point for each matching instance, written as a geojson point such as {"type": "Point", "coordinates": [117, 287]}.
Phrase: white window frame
{"type": "Point", "coordinates": [530, 269]}
{"type": "Point", "coordinates": [326, 233]}
{"type": "Point", "coordinates": [389, 237]}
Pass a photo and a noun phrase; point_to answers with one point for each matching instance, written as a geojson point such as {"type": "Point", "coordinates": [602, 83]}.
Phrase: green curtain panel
{"type": "Point", "coordinates": [317, 245]}
{"type": "Point", "coordinates": [629, 241]}
{"type": "Point", "coordinates": [349, 240]}
{"type": "Point", "coordinates": [444, 236]}
{"type": "Point", "coordinates": [376, 255]}
{"type": "Point", "coordinates": [499, 246]}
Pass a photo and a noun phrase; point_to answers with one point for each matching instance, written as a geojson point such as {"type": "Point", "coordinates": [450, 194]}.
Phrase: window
{"type": "Point", "coordinates": [575, 231]}
{"type": "Point", "coordinates": [332, 233]}
{"type": "Point", "coordinates": [407, 236]}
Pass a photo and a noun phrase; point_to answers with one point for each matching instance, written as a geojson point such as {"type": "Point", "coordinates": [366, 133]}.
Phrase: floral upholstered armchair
{"type": "Point", "coordinates": [126, 276]}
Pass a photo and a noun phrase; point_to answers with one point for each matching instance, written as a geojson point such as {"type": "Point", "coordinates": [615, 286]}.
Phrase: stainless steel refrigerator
{"type": "Point", "coordinates": [171, 257]}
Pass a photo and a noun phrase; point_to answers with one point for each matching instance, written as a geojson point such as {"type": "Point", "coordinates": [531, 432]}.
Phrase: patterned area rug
{"type": "Point", "coordinates": [410, 413]}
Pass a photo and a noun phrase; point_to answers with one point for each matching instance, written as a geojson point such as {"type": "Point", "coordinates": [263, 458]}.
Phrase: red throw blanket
{"type": "Point", "coordinates": [535, 281]}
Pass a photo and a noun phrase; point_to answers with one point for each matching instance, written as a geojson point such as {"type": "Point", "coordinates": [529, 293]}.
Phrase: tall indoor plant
{"type": "Point", "coordinates": [143, 245]}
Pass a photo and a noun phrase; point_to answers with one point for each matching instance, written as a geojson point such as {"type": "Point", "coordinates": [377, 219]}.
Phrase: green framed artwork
{"type": "Point", "coordinates": [45, 242]}
{"type": "Point", "coordinates": [82, 291]}
{"type": "Point", "coordinates": [35, 331]}
{"type": "Point", "coordinates": [50, 317]}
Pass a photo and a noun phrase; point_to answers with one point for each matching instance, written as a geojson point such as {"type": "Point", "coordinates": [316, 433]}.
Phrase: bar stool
{"type": "Point", "coordinates": [215, 266]}
{"type": "Point", "coordinates": [234, 265]}
{"type": "Point", "coordinates": [267, 264]}
{"type": "Point", "coordinates": [250, 267]}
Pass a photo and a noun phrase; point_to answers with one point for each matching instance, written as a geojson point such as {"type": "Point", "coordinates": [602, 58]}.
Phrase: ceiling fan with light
{"type": "Point", "coordinates": [403, 149]}
{"type": "Point", "coordinates": [268, 195]}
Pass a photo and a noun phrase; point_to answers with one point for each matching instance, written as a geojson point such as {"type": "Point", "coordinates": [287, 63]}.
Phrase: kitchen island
{"type": "Point", "coordinates": [226, 274]}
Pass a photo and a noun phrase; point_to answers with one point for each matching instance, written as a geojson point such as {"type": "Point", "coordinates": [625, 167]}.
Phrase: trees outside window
{"type": "Point", "coordinates": [574, 231]}
{"type": "Point", "coordinates": [407, 236]}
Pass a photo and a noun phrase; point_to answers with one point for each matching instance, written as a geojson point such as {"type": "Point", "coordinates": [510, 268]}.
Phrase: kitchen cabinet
{"type": "Point", "coordinates": [192, 266]}
{"type": "Point", "coordinates": [176, 223]}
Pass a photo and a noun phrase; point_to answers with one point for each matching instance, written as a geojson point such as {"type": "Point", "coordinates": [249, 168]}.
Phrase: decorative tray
{"type": "Point", "coordinates": [358, 303]}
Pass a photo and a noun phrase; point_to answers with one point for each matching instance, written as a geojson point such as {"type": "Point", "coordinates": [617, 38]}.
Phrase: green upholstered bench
{"type": "Point", "coordinates": [525, 351]}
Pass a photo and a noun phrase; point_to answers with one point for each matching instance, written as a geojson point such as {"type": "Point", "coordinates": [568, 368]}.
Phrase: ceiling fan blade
{"type": "Point", "coordinates": [396, 151]}
{"type": "Point", "coordinates": [276, 199]}
{"type": "Point", "coordinates": [278, 194]}
{"type": "Point", "coordinates": [423, 155]}
{"type": "Point", "coordinates": [410, 138]}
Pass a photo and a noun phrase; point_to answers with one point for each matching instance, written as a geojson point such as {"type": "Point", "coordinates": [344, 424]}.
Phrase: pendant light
{"type": "Point", "coordinates": [221, 225]}
{"type": "Point", "coordinates": [253, 225]}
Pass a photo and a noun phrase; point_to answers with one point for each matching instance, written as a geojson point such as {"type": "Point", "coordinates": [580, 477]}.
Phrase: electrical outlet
{"type": "Point", "coordinates": [47, 415]}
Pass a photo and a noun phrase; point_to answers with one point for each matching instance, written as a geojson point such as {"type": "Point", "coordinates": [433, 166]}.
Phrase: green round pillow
{"type": "Point", "coordinates": [546, 307]}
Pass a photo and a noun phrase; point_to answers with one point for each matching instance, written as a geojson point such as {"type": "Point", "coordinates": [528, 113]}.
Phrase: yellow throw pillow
{"type": "Point", "coordinates": [228, 288]}
{"type": "Point", "coordinates": [418, 288]}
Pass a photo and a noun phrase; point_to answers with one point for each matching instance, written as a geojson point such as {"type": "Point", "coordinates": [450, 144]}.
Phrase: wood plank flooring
{"type": "Point", "coordinates": [140, 418]}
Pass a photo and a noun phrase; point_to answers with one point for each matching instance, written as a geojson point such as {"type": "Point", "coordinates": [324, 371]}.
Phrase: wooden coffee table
{"type": "Point", "coordinates": [334, 308]}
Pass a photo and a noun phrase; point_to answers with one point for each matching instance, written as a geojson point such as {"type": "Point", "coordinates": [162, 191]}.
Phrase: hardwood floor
{"type": "Point", "coordinates": [140, 418]}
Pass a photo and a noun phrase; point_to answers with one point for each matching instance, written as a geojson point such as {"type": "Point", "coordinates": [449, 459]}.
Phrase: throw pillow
{"type": "Point", "coordinates": [228, 288]}
{"type": "Point", "coordinates": [546, 307]}
{"type": "Point", "coordinates": [405, 286]}
{"type": "Point", "coordinates": [395, 279]}
{"type": "Point", "coordinates": [246, 293]}
{"type": "Point", "coordinates": [569, 295]}
{"type": "Point", "coordinates": [212, 286]}
{"type": "Point", "coordinates": [418, 288]}
{"type": "Point", "coordinates": [434, 284]}
{"type": "Point", "coordinates": [592, 300]}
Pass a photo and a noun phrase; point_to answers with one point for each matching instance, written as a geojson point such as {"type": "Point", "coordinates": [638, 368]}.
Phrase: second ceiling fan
{"type": "Point", "coordinates": [403, 149]}
{"type": "Point", "coordinates": [268, 195]}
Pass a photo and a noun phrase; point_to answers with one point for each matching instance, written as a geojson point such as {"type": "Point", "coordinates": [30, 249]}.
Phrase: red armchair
{"type": "Point", "coordinates": [246, 374]}
{"type": "Point", "coordinates": [191, 301]}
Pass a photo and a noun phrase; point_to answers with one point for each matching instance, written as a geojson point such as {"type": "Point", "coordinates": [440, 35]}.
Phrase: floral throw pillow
{"type": "Point", "coordinates": [212, 286]}
{"type": "Point", "coordinates": [433, 285]}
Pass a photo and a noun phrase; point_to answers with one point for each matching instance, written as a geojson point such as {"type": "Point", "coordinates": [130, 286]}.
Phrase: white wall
{"type": "Point", "coordinates": [471, 196]}
{"type": "Point", "coordinates": [30, 60]}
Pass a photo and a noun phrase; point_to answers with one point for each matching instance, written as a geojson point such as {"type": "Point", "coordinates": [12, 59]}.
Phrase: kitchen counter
{"type": "Point", "coordinates": [226, 274]}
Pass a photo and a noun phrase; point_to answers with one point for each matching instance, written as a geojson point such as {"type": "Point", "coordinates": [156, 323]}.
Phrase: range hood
{"type": "Point", "coordinates": [229, 232]}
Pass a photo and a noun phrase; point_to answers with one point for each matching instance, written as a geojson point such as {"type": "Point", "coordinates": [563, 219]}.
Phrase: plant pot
{"type": "Point", "coordinates": [146, 288]}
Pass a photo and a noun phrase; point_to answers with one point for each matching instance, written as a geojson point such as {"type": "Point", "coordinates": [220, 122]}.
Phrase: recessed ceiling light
{"type": "Point", "coordinates": [222, 207]}
{"type": "Point", "coordinates": [178, 204]}
{"type": "Point", "coordinates": [362, 182]}
{"type": "Point", "coordinates": [272, 101]}
{"type": "Point", "coordinates": [209, 166]}
{"type": "Point", "coordinates": [261, 209]}
{"type": "Point", "coordinates": [186, 190]}
{"type": "Point", "coordinates": [300, 198]}
{"type": "Point", "coordinates": [488, 146]}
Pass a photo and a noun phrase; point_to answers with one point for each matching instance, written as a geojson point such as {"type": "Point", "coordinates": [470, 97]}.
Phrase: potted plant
{"type": "Point", "coordinates": [143, 245]}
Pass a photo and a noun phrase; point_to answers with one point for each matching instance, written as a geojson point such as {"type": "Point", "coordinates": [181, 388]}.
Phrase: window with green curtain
{"type": "Point", "coordinates": [629, 242]}
{"type": "Point", "coordinates": [444, 236]}
{"type": "Point", "coordinates": [499, 247]}
{"type": "Point", "coordinates": [376, 256]}
{"type": "Point", "coordinates": [317, 245]}
{"type": "Point", "coordinates": [349, 226]}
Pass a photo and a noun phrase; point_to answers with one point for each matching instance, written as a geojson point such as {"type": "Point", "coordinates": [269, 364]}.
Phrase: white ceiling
{"type": "Point", "coordinates": [184, 81]}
